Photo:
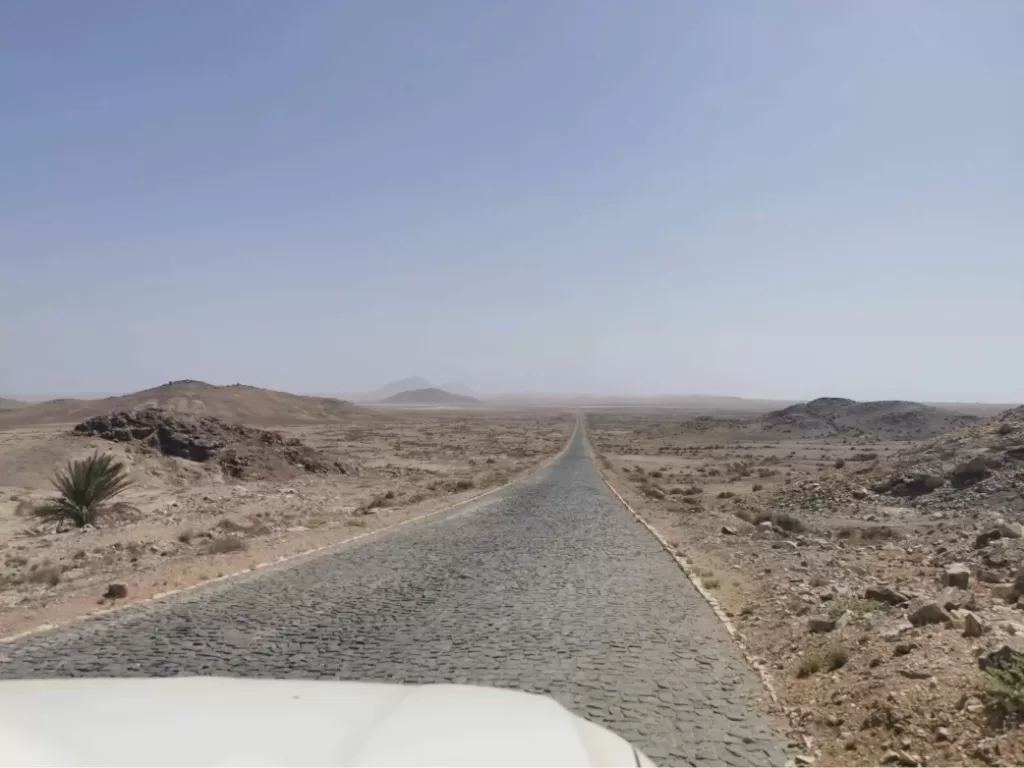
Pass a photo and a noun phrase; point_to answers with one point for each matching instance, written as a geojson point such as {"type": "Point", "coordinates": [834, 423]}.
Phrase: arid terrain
{"type": "Point", "coordinates": [212, 497]}
{"type": "Point", "coordinates": [867, 554]}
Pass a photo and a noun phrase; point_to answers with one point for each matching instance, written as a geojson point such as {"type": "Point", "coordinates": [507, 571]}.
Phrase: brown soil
{"type": "Point", "coordinates": [873, 688]}
{"type": "Point", "coordinates": [196, 522]}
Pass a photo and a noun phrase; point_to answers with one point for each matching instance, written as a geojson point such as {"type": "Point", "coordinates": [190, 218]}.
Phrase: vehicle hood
{"type": "Point", "coordinates": [230, 721]}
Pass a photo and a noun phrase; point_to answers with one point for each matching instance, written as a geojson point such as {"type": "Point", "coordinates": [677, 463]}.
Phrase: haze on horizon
{"type": "Point", "coordinates": [782, 200]}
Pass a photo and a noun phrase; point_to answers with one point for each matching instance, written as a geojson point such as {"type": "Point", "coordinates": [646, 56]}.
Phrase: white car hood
{"type": "Point", "coordinates": [230, 721]}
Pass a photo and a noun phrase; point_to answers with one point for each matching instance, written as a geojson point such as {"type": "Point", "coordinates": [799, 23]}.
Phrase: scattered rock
{"type": "Point", "coordinates": [928, 613]}
{"type": "Point", "coordinates": [1007, 592]}
{"type": "Point", "coordinates": [955, 599]}
{"type": "Point", "coordinates": [916, 674]}
{"type": "Point", "coordinates": [886, 595]}
{"type": "Point", "coordinates": [116, 592]}
{"type": "Point", "coordinates": [1011, 530]}
{"type": "Point", "coordinates": [1002, 654]}
{"type": "Point", "coordinates": [900, 757]}
{"type": "Point", "coordinates": [902, 649]}
{"type": "Point", "coordinates": [956, 575]}
{"type": "Point", "coordinates": [973, 626]}
{"type": "Point", "coordinates": [729, 530]}
{"type": "Point", "coordinates": [984, 539]}
{"type": "Point", "coordinates": [987, 576]}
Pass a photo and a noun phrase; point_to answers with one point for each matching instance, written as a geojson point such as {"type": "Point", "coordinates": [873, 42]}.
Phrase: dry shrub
{"type": "Point", "coordinates": [186, 535]}
{"type": "Point", "coordinates": [46, 572]}
{"type": "Point", "coordinates": [223, 545]}
{"type": "Point", "coordinates": [355, 523]}
{"type": "Point", "coordinates": [746, 515]}
{"type": "Point", "coordinates": [462, 485]}
{"type": "Point", "coordinates": [726, 495]}
{"type": "Point", "coordinates": [829, 659]}
{"type": "Point", "coordinates": [782, 520]}
{"type": "Point", "coordinates": [856, 533]}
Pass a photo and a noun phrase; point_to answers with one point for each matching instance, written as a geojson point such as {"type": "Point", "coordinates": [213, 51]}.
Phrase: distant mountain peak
{"type": "Point", "coordinates": [428, 396]}
{"type": "Point", "coordinates": [402, 385]}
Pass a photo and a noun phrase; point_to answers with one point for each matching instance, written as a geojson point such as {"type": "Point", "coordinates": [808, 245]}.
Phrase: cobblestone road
{"type": "Point", "coordinates": [548, 586]}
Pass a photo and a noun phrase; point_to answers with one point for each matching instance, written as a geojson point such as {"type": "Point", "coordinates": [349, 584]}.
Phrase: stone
{"type": "Point", "coordinates": [956, 575]}
{"type": "Point", "coordinates": [1018, 580]}
{"type": "Point", "coordinates": [1001, 655]}
{"type": "Point", "coordinates": [988, 576]}
{"type": "Point", "coordinates": [928, 613]}
{"type": "Point", "coordinates": [860, 493]}
{"type": "Point", "coordinates": [1012, 628]}
{"type": "Point", "coordinates": [952, 598]}
{"type": "Point", "coordinates": [802, 760]}
{"type": "Point", "coordinates": [902, 649]}
{"type": "Point", "coordinates": [820, 624]}
{"type": "Point", "coordinates": [973, 626]}
{"type": "Point", "coordinates": [1007, 592]}
{"type": "Point", "coordinates": [729, 530]}
{"type": "Point", "coordinates": [1011, 530]}
{"type": "Point", "coordinates": [986, 538]}
{"type": "Point", "coordinates": [942, 734]}
{"type": "Point", "coordinates": [970, 471]}
{"type": "Point", "coordinates": [886, 595]}
{"type": "Point", "coordinates": [916, 674]}
{"type": "Point", "coordinates": [116, 592]}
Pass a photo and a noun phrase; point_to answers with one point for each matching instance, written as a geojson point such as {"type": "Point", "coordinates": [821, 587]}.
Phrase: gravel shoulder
{"type": "Point", "coordinates": [548, 586]}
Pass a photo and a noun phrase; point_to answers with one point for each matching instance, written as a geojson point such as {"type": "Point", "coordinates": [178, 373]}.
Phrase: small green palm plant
{"type": "Point", "coordinates": [87, 487]}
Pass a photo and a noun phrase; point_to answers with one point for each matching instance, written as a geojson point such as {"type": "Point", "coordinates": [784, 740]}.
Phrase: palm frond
{"type": "Point", "coordinates": [86, 487]}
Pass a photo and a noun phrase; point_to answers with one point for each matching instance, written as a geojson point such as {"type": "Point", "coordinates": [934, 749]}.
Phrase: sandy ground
{"type": "Point", "coordinates": [194, 525]}
{"type": "Point", "coordinates": [874, 690]}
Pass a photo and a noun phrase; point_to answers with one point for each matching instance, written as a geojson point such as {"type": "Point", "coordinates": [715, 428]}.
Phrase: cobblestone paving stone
{"type": "Point", "coordinates": [548, 586]}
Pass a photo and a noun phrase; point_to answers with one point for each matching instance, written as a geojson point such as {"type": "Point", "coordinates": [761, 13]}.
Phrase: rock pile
{"type": "Point", "coordinates": [242, 452]}
{"type": "Point", "coordinates": [981, 465]}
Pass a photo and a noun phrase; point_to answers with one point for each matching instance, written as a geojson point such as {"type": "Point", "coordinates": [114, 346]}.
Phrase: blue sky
{"type": "Point", "coordinates": [785, 199]}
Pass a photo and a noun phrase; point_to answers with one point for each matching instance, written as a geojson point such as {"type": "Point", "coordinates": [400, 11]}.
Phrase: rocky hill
{"type": "Point", "coordinates": [6, 404]}
{"type": "Point", "coordinates": [429, 396]}
{"type": "Point", "coordinates": [236, 403]}
{"type": "Point", "coordinates": [881, 418]}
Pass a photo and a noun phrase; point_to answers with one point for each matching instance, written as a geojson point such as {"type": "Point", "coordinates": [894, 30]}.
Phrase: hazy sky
{"type": "Point", "coordinates": [783, 199]}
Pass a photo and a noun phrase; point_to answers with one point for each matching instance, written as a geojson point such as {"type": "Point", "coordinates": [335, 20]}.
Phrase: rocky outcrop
{"type": "Point", "coordinates": [242, 452]}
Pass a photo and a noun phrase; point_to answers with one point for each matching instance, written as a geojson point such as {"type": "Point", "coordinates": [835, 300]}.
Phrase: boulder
{"type": "Point", "coordinates": [116, 592]}
{"type": "Point", "coordinates": [927, 613]}
{"type": "Point", "coordinates": [1011, 530]}
{"type": "Point", "coordinates": [1007, 652]}
{"type": "Point", "coordinates": [973, 626]}
{"type": "Point", "coordinates": [969, 472]}
{"type": "Point", "coordinates": [956, 575]}
{"type": "Point", "coordinates": [986, 538]}
{"type": "Point", "coordinates": [886, 595]}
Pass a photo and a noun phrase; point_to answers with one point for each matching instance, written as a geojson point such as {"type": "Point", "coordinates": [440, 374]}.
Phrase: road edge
{"type": "Point", "coordinates": [284, 559]}
{"type": "Point", "coordinates": [767, 681]}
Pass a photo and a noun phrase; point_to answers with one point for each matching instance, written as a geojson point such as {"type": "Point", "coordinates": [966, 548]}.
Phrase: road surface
{"type": "Point", "coordinates": [548, 586]}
